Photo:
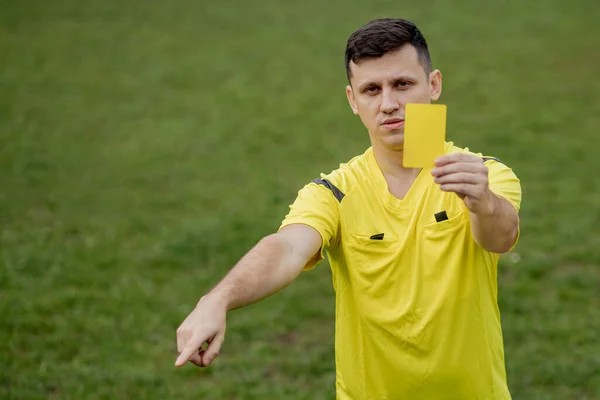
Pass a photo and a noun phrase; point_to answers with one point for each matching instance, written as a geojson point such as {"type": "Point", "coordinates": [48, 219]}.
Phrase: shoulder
{"type": "Point", "coordinates": [347, 176]}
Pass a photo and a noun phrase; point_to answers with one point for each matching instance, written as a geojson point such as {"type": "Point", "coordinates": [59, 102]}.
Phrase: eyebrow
{"type": "Point", "coordinates": [367, 84]}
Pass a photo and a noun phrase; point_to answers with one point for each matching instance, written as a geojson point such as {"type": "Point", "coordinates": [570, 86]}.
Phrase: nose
{"type": "Point", "coordinates": [389, 102]}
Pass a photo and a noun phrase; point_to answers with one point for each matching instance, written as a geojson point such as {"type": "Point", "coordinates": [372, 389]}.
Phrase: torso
{"type": "Point", "coordinates": [412, 303]}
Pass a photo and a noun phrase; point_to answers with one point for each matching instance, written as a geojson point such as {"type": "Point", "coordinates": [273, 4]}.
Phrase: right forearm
{"type": "Point", "coordinates": [264, 270]}
{"type": "Point", "coordinates": [270, 266]}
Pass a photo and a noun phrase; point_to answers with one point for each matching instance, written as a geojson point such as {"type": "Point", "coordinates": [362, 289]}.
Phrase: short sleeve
{"type": "Point", "coordinates": [503, 182]}
{"type": "Point", "coordinates": [318, 207]}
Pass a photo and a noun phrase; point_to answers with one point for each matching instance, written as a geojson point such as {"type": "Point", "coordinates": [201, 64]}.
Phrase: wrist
{"type": "Point", "coordinates": [489, 206]}
{"type": "Point", "coordinates": [215, 299]}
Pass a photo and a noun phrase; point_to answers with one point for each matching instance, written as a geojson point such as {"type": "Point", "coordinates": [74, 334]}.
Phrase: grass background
{"type": "Point", "coordinates": [145, 146]}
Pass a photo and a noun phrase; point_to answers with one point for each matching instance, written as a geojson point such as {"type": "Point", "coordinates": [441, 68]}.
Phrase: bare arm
{"type": "Point", "coordinates": [269, 267]}
{"type": "Point", "coordinates": [494, 221]}
{"type": "Point", "coordinates": [496, 228]}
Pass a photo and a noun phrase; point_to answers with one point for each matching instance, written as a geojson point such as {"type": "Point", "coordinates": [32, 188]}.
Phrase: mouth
{"type": "Point", "coordinates": [393, 123]}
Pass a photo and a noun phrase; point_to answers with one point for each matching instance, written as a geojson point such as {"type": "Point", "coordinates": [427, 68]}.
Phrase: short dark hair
{"type": "Point", "coordinates": [382, 36]}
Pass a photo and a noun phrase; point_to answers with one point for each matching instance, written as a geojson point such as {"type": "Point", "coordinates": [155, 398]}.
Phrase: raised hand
{"type": "Point", "coordinates": [466, 175]}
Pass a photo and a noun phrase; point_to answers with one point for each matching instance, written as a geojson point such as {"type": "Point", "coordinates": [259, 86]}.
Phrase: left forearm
{"type": "Point", "coordinates": [496, 229]}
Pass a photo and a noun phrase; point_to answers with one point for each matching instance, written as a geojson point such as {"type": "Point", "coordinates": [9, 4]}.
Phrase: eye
{"type": "Point", "coordinates": [371, 90]}
{"type": "Point", "coordinates": [403, 84]}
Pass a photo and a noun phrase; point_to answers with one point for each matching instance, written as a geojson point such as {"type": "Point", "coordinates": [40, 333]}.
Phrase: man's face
{"type": "Point", "coordinates": [381, 87]}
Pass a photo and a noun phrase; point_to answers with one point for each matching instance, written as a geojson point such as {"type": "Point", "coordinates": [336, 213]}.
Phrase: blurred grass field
{"type": "Point", "coordinates": [146, 146]}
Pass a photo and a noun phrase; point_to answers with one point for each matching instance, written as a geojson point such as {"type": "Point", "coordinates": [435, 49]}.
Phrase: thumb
{"type": "Point", "coordinates": [190, 348]}
{"type": "Point", "coordinates": [213, 349]}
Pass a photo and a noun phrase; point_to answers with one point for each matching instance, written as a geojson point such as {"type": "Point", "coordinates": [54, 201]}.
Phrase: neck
{"type": "Point", "coordinates": [390, 162]}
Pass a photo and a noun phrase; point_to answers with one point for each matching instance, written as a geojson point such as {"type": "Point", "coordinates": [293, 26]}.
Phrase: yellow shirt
{"type": "Point", "coordinates": [416, 299]}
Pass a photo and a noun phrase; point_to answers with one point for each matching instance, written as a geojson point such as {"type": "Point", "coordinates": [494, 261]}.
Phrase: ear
{"type": "Point", "coordinates": [435, 84]}
{"type": "Point", "coordinates": [351, 99]}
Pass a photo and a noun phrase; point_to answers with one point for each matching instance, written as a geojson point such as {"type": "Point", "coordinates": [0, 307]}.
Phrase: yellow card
{"type": "Point", "coordinates": [424, 134]}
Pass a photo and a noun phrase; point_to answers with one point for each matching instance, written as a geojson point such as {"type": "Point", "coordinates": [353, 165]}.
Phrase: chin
{"type": "Point", "coordinates": [394, 140]}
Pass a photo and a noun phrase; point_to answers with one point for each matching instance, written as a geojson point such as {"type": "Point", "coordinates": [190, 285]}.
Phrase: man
{"type": "Point", "coordinates": [413, 252]}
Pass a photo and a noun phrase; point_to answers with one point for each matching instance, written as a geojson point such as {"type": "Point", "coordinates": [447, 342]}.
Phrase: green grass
{"type": "Point", "coordinates": [145, 146]}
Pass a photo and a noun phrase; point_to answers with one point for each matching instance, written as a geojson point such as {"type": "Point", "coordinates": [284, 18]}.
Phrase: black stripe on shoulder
{"type": "Point", "coordinates": [485, 159]}
{"type": "Point", "coordinates": [337, 193]}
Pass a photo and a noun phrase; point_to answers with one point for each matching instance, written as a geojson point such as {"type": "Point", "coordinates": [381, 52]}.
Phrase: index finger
{"type": "Point", "coordinates": [190, 348]}
{"type": "Point", "coordinates": [456, 157]}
